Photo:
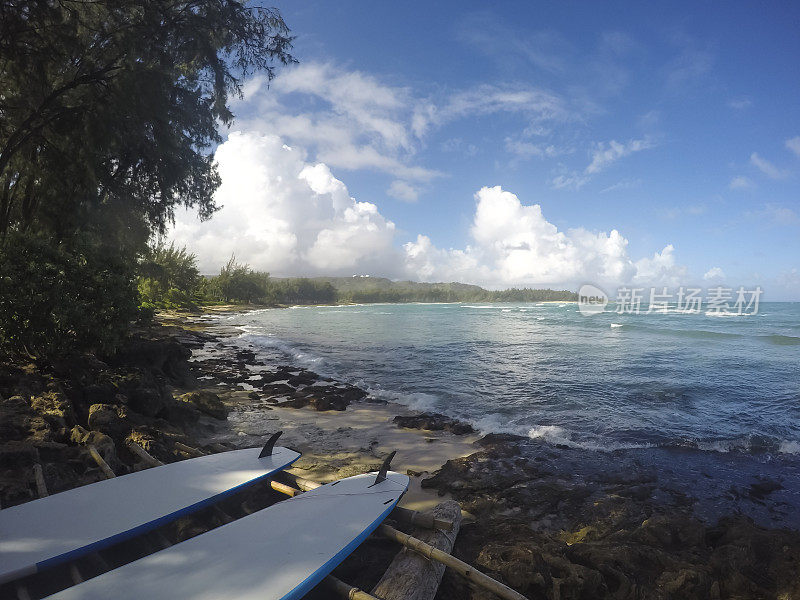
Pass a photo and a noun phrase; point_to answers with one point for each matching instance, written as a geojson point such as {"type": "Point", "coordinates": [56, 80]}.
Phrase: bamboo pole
{"type": "Point", "coordinates": [458, 566]}
{"type": "Point", "coordinates": [304, 484]}
{"type": "Point", "coordinates": [284, 489]}
{"type": "Point", "coordinates": [38, 476]}
{"type": "Point", "coordinates": [109, 473]}
{"type": "Point", "coordinates": [343, 590]}
{"type": "Point", "coordinates": [189, 449]}
{"type": "Point", "coordinates": [143, 454]}
{"type": "Point", "coordinates": [419, 519]}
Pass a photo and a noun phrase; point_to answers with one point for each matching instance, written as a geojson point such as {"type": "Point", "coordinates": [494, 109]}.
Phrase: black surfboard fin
{"type": "Point", "coordinates": [267, 449]}
{"type": "Point", "coordinates": [384, 468]}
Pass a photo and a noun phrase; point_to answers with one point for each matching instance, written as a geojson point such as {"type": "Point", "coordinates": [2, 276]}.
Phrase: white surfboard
{"type": "Point", "coordinates": [65, 526]}
{"type": "Point", "coordinates": [280, 552]}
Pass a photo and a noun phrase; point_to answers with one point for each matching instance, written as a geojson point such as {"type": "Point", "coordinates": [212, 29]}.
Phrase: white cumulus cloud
{"type": "Point", "coordinates": [513, 244]}
{"type": "Point", "coordinates": [287, 215]}
{"type": "Point", "coordinates": [282, 214]}
{"type": "Point", "coordinates": [715, 274]}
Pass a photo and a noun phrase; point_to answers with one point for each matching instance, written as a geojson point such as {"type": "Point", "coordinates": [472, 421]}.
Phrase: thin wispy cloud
{"type": "Point", "coordinates": [604, 154]}
{"type": "Point", "coordinates": [767, 168]}
{"type": "Point", "coordinates": [404, 191]}
{"type": "Point", "coordinates": [624, 184]}
{"type": "Point", "coordinates": [691, 66]}
{"type": "Point", "coordinates": [569, 181]}
{"type": "Point", "coordinates": [741, 183]}
{"type": "Point", "coordinates": [544, 49]}
{"type": "Point", "coordinates": [740, 103]}
{"type": "Point", "coordinates": [793, 145]}
{"type": "Point", "coordinates": [779, 215]}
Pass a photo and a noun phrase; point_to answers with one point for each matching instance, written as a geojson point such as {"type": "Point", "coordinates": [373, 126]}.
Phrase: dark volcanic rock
{"type": "Point", "coordinates": [18, 455]}
{"type": "Point", "coordinates": [278, 389]}
{"type": "Point", "coordinates": [552, 530]}
{"type": "Point", "coordinates": [15, 415]}
{"type": "Point", "coordinates": [165, 356]}
{"type": "Point", "coordinates": [207, 403]}
{"type": "Point", "coordinates": [434, 422]}
{"type": "Point", "coordinates": [763, 488]}
{"type": "Point", "coordinates": [112, 419]}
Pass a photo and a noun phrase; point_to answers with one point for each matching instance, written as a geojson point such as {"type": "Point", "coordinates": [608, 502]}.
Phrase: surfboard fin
{"type": "Point", "coordinates": [267, 449]}
{"type": "Point", "coordinates": [384, 468]}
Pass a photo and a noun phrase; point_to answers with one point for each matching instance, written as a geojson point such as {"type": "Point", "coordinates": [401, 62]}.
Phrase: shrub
{"type": "Point", "coordinates": [168, 277]}
{"type": "Point", "coordinates": [62, 296]}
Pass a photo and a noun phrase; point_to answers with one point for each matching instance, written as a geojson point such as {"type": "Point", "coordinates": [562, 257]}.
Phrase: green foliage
{"type": "Point", "coordinates": [303, 291]}
{"type": "Point", "coordinates": [378, 289]}
{"type": "Point", "coordinates": [112, 107]}
{"type": "Point", "coordinates": [238, 283]}
{"type": "Point", "coordinates": [168, 277]}
{"type": "Point", "coordinates": [108, 121]}
{"type": "Point", "coordinates": [58, 297]}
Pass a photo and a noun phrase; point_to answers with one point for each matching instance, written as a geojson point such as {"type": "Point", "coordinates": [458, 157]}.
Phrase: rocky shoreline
{"type": "Point", "coordinates": [552, 522]}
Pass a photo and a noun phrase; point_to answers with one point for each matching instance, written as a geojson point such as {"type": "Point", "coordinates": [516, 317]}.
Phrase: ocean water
{"type": "Point", "coordinates": [604, 382]}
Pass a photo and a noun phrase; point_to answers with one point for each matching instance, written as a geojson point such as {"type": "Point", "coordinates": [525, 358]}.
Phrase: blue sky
{"type": "Point", "coordinates": [661, 144]}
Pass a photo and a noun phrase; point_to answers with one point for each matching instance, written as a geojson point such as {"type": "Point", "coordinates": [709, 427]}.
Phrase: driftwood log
{"type": "Point", "coordinates": [143, 454]}
{"type": "Point", "coordinates": [107, 471]}
{"type": "Point", "coordinates": [411, 576]}
{"type": "Point", "coordinates": [426, 520]}
{"type": "Point", "coordinates": [38, 476]}
{"type": "Point", "coordinates": [459, 567]}
{"type": "Point", "coordinates": [189, 450]}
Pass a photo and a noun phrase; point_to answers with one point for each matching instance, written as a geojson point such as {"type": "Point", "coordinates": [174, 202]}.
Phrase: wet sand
{"type": "Point", "coordinates": [337, 444]}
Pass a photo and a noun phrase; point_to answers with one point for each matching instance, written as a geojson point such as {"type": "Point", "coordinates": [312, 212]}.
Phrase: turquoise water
{"type": "Point", "coordinates": [604, 382]}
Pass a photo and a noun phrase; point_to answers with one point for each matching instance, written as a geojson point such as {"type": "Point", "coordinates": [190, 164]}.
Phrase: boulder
{"type": "Point", "coordinates": [15, 413]}
{"type": "Point", "coordinates": [18, 455]}
{"type": "Point", "coordinates": [167, 356]}
{"type": "Point", "coordinates": [278, 389]}
{"type": "Point", "coordinates": [111, 419]}
{"type": "Point", "coordinates": [180, 413]}
{"type": "Point", "coordinates": [434, 422]}
{"type": "Point", "coordinates": [142, 391]}
{"type": "Point", "coordinates": [104, 444]}
{"type": "Point", "coordinates": [55, 407]}
{"type": "Point", "coordinates": [206, 402]}
{"type": "Point", "coordinates": [327, 402]}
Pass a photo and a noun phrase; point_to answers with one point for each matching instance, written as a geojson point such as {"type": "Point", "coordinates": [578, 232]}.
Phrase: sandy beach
{"type": "Point", "coordinates": [338, 444]}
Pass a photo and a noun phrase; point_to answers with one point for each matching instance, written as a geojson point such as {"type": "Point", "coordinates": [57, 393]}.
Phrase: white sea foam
{"type": "Point", "coordinates": [554, 434]}
{"type": "Point", "coordinates": [305, 359]}
{"type": "Point", "coordinates": [789, 447]}
{"type": "Point", "coordinates": [616, 325]}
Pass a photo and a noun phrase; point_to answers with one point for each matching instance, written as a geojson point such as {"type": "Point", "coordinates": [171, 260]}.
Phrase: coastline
{"type": "Point", "coordinates": [333, 443]}
{"type": "Point", "coordinates": [642, 519]}
{"type": "Point", "coordinates": [549, 520]}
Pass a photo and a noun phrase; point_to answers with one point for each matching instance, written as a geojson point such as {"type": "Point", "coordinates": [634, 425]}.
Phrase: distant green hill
{"type": "Point", "coordinates": [379, 289]}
